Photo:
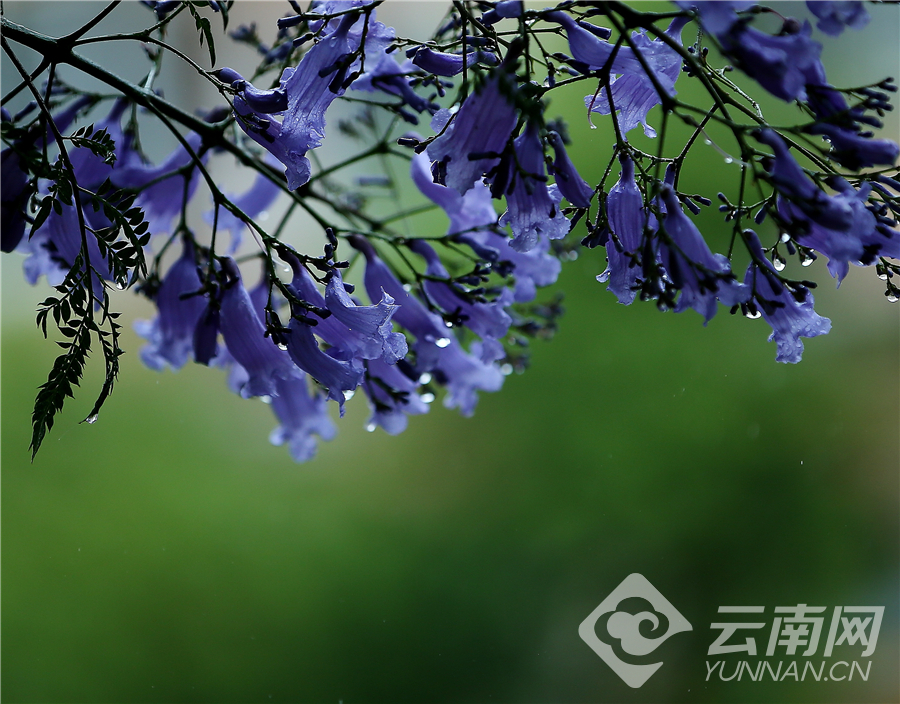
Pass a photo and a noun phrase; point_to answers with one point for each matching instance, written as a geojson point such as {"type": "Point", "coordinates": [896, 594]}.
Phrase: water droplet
{"type": "Point", "coordinates": [892, 297]}
{"type": "Point", "coordinates": [425, 378]}
{"type": "Point", "coordinates": [778, 263]}
{"type": "Point", "coordinates": [370, 427]}
{"type": "Point", "coordinates": [883, 277]}
{"type": "Point", "coordinates": [785, 237]}
{"type": "Point", "coordinates": [427, 398]}
{"type": "Point", "coordinates": [448, 324]}
{"type": "Point", "coordinates": [707, 142]}
{"type": "Point", "coordinates": [442, 342]}
{"type": "Point", "coordinates": [407, 288]}
{"type": "Point", "coordinates": [266, 399]}
{"type": "Point", "coordinates": [806, 261]}
{"type": "Point", "coordinates": [120, 285]}
{"type": "Point", "coordinates": [282, 346]}
{"type": "Point", "coordinates": [729, 160]}
{"type": "Point", "coordinates": [753, 315]}
{"type": "Point", "coordinates": [91, 419]}
{"type": "Point", "coordinates": [349, 394]}
{"type": "Point", "coordinates": [506, 369]}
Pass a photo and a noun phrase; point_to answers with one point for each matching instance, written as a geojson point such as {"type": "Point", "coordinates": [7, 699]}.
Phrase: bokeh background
{"type": "Point", "coordinates": [168, 553]}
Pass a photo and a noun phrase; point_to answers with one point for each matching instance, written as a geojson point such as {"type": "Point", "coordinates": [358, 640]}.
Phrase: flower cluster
{"type": "Point", "coordinates": [451, 308]}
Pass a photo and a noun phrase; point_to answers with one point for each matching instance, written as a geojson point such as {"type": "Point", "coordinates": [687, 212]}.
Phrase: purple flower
{"type": "Point", "coordinates": [335, 375]}
{"type": "Point", "coordinates": [701, 275]}
{"type": "Point", "coordinates": [634, 94]}
{"type": "Point", "coordinates": [828, 104]}
{"type": "Point", "coordinates": [161, 7]}
{"type": "Point", "coordinates": [463, 373]}
{"type": "Point", "coordinates": [392, 396]}
{"type": "Point", "coordinates": [57, 243]}
{"type": "Point", "coordinates": [352, 331]}
{"type": "Point", "coordinates": [854, 151]}
{"type": "Point", "coordinates": [532, 269]}
{"type": "Point", "coordinates": [371, 323]}
{"type": "Point", "coordinates": [568, 181]}
{"type": "Point", "coordinates": [16, 192]}
{"type": "Point", "coordinates": [472, 218]}
{"type": "Point", "coordinates": [355, 333]}
{"type": "Point", "coordinates": [779, 63]}
{"type": "Point", "coordinates": [471, 145]}
{"type": "Point", "coordinates": [393, 79]}
{"type": "Point", "coordinates": [301, 415]}
{"type": "Point", "coordinates": [627, 218]}
{"type": "Point", "coordinates": [90, 169]}
{"type": "Point", "coordinates": [790, 316]}
{"type": "Point", "coordinates": [472, 211]}
{"type": "Point", "coordinates": [593, 51]}
{"type": "Point", "coordinates": [504, 9]}
{"type": "Point", "coordinates": [717, 16]}
{"type": "Point", "coordinates": [835, 16]}
{"type": "Point", "coordinates": [532, 209]}
{"type": "Point", "coordinates": [14, 199]}
{"type": "Point", "coordinates": [164, 197]}
{"type": "Point", "coordinates": [244, 335]}
{"type": "Point", "coordinates": [796, 186]}
{"type": "Point", "coordinates": [267, 102]}
{"type": "Point", "coordinates": [311, 87]}
{"type": "Point", "coordinates": [441, 64]}
{"type": "Point", "coordinates": [860, 243]}
{"type": "Point", "coordinates": [170, 335]}
{"type": "Point", "coordinates": [484, 319]}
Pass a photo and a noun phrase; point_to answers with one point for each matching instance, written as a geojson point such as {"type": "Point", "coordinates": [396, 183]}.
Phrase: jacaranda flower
{"type": "Point", "coordinates": [777, 62]}
{"type": "Point", "coordinates": [311, 87]}
{"type": "Point", "coordinates": [301, 414]}
{"type": "Point", "coordinates": [244, 335]}
{"type": "Point", "coordinates": [442, 64]}
{"type": "Point", "coordinates": [471, 144]}
{"type": "Point", "coordinates": [635, 94]}
{"type": "Point", "coordinates": [790, 316]}
{"type": "Point", "coordinates": [701, 276]}
{"type": "Point", "coordinates": [393, 396]}
{"type": "Point", "coordinates": [574, 188]}
{"type": "Point", "coordinates": [437, 351]}
{"type": "Point", "coordinates": [532, 208]}
{"type": "Point", "coordinates": [627, 218]}
{"type": "Point", "coordinates": [835, 16]}
{"type": "Point", "coordinates": [473, 220]}
{"type": "Point", "coordinates": [170, 336]}
{"type": "Point", "coordinates": [482, 318]}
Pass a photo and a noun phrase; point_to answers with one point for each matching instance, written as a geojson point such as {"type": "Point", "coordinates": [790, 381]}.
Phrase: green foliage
{"type": "Point", "coordinates": [100, 143]}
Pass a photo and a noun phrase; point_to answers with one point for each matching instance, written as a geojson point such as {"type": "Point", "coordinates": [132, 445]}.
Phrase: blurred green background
{"type": "Point", "coordinates": [168, 553]}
